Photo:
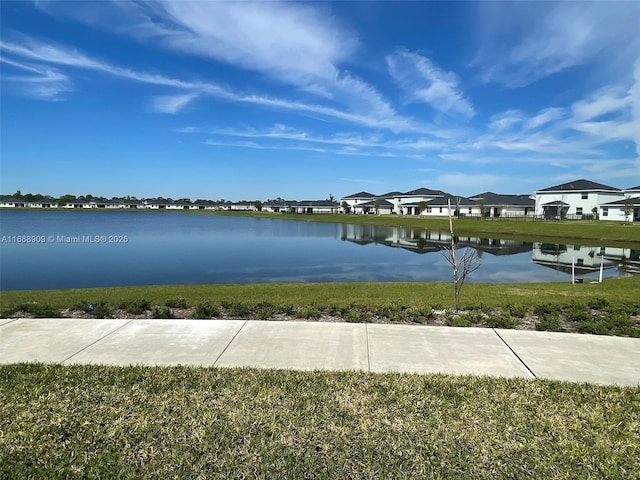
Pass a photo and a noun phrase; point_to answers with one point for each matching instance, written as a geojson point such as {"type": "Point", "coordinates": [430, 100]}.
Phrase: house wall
{"type": "Point", "coordinates": [511, 210]}
{"type": "Point", "coordinates": [400, 202]}
{"type": "Point", "coordinates": [632, 193]}
{"type": "Point", "coordinates": [353, 202]}
{"type": "Point", "coordinates": [615, 213]}
{"type": "Point", "coordinates": [443, 210]}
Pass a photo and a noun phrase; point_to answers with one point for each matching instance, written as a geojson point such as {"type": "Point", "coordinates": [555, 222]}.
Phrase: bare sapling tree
{"type": "Point", "coordinates": [627, 209]}
{"type": "Point", "coordinates": [462, 266]}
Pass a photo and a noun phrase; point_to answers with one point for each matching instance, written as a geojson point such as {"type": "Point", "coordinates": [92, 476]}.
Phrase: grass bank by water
{"type": "Point", "coordinates": [137, 422]}
{"type": "Point", "coordinates": [612, 307]}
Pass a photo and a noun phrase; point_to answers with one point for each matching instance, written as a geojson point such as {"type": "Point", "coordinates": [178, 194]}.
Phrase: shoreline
{"type": "Point", "coordinates": [615, 234]}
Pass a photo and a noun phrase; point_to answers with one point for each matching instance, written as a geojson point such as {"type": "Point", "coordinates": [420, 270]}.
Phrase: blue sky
{"type": "Point", "coordinates": [302, 100]}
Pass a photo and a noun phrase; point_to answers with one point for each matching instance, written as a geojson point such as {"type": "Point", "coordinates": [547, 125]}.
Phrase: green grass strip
{"type": "Point", "coordinates": [417, 294]}
{"type": "Point", "coordinates": [137, 422]}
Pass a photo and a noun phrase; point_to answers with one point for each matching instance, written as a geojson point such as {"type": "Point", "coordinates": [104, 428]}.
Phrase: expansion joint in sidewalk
{"type": "Point", "coordinates": [366, 331]}
{"type": "Point", "coordinates": [514, 353]}
{"type": "Point", "coordinates": [108, 334]}
{"type": "Point", "coordinates": [230, 342]}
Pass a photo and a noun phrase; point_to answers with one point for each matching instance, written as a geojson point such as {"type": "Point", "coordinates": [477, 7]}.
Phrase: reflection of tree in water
{"type": "Point", "coordinates": [630, 264]}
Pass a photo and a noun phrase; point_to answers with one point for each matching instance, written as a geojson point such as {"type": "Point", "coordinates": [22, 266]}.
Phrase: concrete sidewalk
{"type": "Point", "coordinates": [327, 346]}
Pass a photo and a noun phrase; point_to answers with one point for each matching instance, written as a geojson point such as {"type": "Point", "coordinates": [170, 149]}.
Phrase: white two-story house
{"type": "Point", "coordinates": [577, 199]}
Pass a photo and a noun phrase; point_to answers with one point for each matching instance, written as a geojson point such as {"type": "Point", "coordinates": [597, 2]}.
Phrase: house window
{"type": "Point", "coordinates": [579, 211]}
{"type": "Point", "coordinates": [469, 210]}
{"type": "Point", "coordinates": [605, 211]}
{"type": "Point", "coordinates": [585, 195]}
{"type": "Point", "coordinates": [440, 210]}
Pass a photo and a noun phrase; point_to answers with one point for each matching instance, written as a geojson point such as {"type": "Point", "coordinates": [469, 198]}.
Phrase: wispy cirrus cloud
{"type": "Point", "coordinates": [281, 137]}
{"type": "Point", "coordinates": [38, 81]}
{"type": "Point", "coordinates": [341, 143]}
{"type": "Point", "coordinates": [171, 103]}
{"type": "Point", "coordinates": [296, 44]}
{"type": "Point", "coordinates": [424, 81]}
{"type": "Point", "coordinates": [35, 50]}
{"type": "Point", "coordinates": [523, 42]}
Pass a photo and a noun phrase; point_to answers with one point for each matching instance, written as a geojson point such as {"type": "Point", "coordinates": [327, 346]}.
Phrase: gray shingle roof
{"type": "Point", "coordinates": [579, 185]}
{"type": "Point", "coordinates": [633, 201]}
{"type": "Point", "coordinates": [381, 203]}
{"type": "Point", "coordinates": [455, 200]}
{"type": "Point", "coordinates": [424, 192]}
{"type": "Point", "coordinates": [317, 203]}
{"type": "Point", "coordinates": [391, 195]}
{"type": "Point", "coordinates": [491, 198]}
{"type": "Point", "coordinates": [361, 195]}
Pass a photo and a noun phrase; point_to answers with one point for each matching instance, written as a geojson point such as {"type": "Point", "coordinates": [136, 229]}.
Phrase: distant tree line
{"type": "Point", "coordinates": [69, 198]}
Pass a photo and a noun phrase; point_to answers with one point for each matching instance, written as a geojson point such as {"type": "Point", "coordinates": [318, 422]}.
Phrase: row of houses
{"type": "Point", "coordinates": [278, 205]}
{"type": "Point", "coordinates": [580, 199]}
{"type": "Point", "coordinates": [424, 201]}
{"type": "Point", "coordinates": [152, 204]}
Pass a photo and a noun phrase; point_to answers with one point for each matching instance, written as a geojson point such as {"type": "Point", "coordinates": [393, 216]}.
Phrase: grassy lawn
{"type": "Point", "coordinates": [612, 307]}
{"type": "Point", "coordinates": [140, 422]}
{"type": "Point", "coordinates": [614, 233]}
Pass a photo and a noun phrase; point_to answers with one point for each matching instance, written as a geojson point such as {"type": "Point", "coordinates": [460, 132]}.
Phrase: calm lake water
{"type": "Point", "coordinates": [75, 249]}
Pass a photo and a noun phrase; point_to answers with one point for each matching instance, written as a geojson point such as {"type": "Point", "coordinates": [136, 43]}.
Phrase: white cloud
{"type": "Point", "coordinates": [634, 97]}
{"type": "Point", "coordinates": [426, 82]}
{"type": "Point", "coordinates": [298, 44]}
{"type": "Point", "coordinates": [607, 100]}
{"type": "Point", "coordinates": [545, 117]}
{"type": "Point", "coordinates": [288, 41]}
{"type": "Point", "coordinates": [506, 120]}
{"type": "Point", "coordinates": [171, 103]}
{"type": "Point", "coordinates": [523, 42]}
{"type": "Point", "coordinates": [40, 81]}
{"type": "Point", "coordinates": [611, 114]}
{"type": "Point", "coordinates": [35, 50]}
{"type": "Point", "coordinates": [294, 43]}
{"type": "Point", "coordinates": [374, 113]}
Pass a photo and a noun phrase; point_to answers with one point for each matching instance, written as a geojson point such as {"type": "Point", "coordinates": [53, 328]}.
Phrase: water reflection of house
{"type": "Point", "coordinates": [367, 234]}
{"type": "Point", "coordinates": [627, 259]}
{"type": "Point", "coordinates": [496, 246]}
{"type": "Point", "coordinates": [587, 259]}
{"type": "Point", "coordinates": [423, 241]}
